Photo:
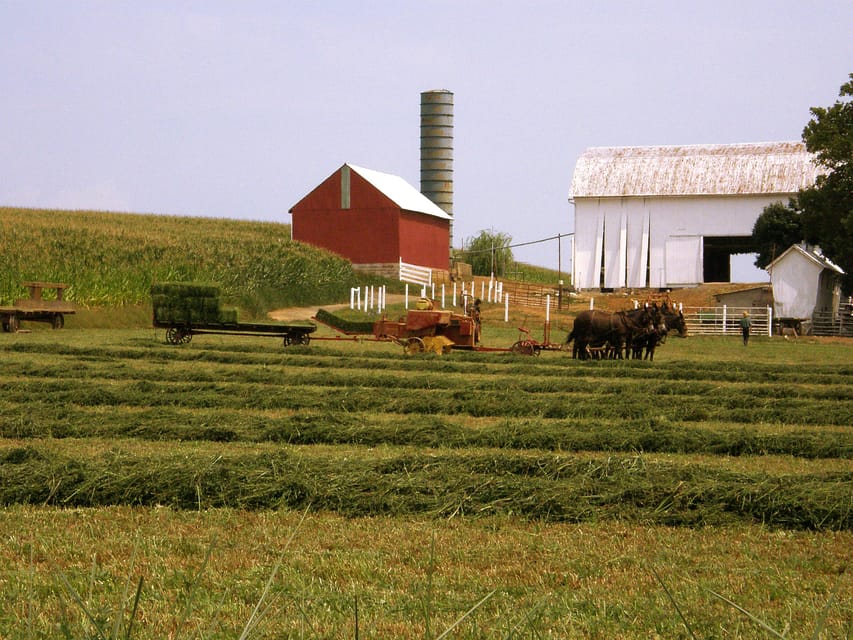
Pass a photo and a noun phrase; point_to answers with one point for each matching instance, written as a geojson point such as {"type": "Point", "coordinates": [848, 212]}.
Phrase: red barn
{"type": "Point", "coordinates": [373, 219]}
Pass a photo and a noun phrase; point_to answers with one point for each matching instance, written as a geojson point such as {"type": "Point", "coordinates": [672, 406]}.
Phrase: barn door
{"type": "Point", "coordinates": [683, 260]}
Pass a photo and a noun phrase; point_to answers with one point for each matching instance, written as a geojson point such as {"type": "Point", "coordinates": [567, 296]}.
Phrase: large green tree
{"type": "Point", "coordinates": [776, 229]}
{"type": "Point", "coordinates": [489, 253]}
{"type": "Point", "coordinates": [826, 209]}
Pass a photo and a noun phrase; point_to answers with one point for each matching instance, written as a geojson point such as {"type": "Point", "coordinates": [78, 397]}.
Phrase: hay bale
{"type": "Point", "coordinates": [186, 289]}
{"type": "Point", "coordinates": [227, 316]}
{"type": "Point", "coordinates": [189, 303]}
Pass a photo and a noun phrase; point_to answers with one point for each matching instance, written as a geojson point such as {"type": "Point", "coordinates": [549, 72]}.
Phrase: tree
{"type": "Point", "coordinates": [488, 253]}
{"type": "Point", "coordinates": [777, 228]}
{"type": "Point", "coordinates": [826, 209]}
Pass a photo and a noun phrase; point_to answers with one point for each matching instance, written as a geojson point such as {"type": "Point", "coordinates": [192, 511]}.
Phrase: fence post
{"type": "Point", "coordinates": [407, 295]}
{"type": "Point", "coordinates": [442, 295]}
{"type": "Point", "coordinates": [506, 308]}
{"type": "Point", "coordinates": [769, 321]}
{"type": "Point", "coordinates": [454, 294]}
{"type": "Point", "coordinates": [725, 314]}
{"type": "Point", "coordinates": [591, 304]}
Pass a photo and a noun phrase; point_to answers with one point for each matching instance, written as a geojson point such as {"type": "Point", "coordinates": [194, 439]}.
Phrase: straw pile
{"type": "Point", "coordinates": [189, 303]}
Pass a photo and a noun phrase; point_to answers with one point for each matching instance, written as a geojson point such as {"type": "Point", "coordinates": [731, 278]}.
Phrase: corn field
{"type": "Point", "coordinates": [112, 259]}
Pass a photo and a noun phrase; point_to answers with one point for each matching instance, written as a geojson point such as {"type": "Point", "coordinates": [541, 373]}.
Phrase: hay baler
{"type": "Point", "coordinates": [419, 330]}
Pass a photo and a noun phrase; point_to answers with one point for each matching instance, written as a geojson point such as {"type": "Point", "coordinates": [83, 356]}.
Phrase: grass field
{"type": "Point", "coordinates": [559, 487]}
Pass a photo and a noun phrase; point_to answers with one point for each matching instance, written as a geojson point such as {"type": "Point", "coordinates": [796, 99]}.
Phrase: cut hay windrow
{"type": "Point", "coordinates": [547, 487]}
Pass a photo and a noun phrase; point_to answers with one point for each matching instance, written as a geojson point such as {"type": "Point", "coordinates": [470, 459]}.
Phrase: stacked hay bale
{"type": "Point", "coordinates": [189, 303]}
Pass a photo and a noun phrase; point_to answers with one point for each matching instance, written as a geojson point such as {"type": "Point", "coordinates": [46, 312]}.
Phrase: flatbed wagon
{"type": "Point", "coordinates": [186, 309]}
{"type": "Point", "coordinates": [291, 333]}
{"type": "Point", "coordinates": [37, 309]}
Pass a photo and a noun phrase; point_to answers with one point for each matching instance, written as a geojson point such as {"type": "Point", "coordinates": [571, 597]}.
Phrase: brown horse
{"type": "Point", "coordinates": [598, 328]}
{"type": "Point", "coordinates": [672, 321]}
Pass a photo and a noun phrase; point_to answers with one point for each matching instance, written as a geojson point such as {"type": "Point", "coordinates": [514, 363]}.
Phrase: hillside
{"type": "Point", "coordinates": [111, 259]}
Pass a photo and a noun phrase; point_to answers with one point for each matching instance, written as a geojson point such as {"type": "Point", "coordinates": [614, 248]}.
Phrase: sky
{"type": "Point", "coordinates": [239, 109]}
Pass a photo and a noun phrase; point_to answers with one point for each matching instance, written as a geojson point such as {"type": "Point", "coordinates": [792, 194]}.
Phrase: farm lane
{"type": "Point", "coordinates": [306, 313]}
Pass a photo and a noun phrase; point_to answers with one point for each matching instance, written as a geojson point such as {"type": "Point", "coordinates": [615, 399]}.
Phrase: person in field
{"type": "Point", "coordinates": [475, 313]}
{"type": "Point", "coordinates": [745, 326]}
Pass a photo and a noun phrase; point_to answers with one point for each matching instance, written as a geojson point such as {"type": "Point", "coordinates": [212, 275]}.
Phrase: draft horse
{"type": "Point", "coordinates": [617, 330]}
{"type": "Point", "coordinates": [673, 320]}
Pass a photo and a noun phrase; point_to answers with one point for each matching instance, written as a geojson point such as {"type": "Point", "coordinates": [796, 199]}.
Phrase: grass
{"type": "Point", "coordinates": [592, 580]}
{"type": "Point", "coordinates": [163, 487]}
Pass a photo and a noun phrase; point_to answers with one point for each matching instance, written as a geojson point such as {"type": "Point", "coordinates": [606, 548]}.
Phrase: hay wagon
{"type": "Point", "coordinates": [36, 308]}
{"type": "Point", "coordinates": [188, 309]}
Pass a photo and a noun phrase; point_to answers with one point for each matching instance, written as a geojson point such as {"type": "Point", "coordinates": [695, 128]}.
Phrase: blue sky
{"type": "Point", "coordinates": [238, 109]}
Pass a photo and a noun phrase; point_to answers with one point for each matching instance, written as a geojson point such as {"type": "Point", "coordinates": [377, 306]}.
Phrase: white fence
{"type": "Point", "coordinates": [415, 274]}
{"type": "Point", "coordinates": [725, 320]}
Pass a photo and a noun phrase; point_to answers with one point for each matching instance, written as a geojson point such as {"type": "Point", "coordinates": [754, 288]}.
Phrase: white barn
{"type": "Point", "coordinates": [672, 216]}
{"type": "Point", "coordinates": [804, 283]}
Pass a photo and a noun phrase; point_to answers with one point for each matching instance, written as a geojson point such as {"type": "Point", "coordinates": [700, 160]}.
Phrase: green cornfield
{"type": "Point", "coordinates": [112, 259]}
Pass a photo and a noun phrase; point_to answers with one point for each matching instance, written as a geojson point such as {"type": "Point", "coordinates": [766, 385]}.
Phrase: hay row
{"type": "Point", "coordinates": [555, 488]}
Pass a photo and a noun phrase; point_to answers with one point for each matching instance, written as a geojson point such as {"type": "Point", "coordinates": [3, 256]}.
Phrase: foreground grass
{"type": "Point", "coordinates": [409, 578]}
{"type": "Point", "coordinates": [429, 483]}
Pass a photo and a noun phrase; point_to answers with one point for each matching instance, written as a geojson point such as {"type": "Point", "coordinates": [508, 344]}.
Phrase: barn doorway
{"type": "Point", "coordinates": [717, 253]}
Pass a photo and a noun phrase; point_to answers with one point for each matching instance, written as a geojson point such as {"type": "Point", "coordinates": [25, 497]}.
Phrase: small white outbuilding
{"type": "Point", "coordinates": [672, 216]}
{"type": "Point", "coordinates": [804, 283]}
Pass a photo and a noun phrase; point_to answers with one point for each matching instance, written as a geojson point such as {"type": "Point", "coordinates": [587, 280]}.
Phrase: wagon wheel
{"type": "Point", "coordinates": [303, 338]}
{"type": "Point", "coordinates": [288, 340]}
{"type": "Point", "coordinates": [178, 335]}
{"type": "Point", "coordinates": [57, 321]}
{"type": "Point", "coordinates": [525, 348]}
{"type": "Point", "coordinates": [12, 324]}
{"type": "Point", "coordinates": [414, 345]}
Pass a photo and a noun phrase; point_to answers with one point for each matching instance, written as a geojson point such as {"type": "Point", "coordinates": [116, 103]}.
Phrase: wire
{"type": "Point", "coordinates": [519, 244]}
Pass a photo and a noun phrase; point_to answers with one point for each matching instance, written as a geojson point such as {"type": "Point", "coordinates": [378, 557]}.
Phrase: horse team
{"type": "Point", "coordinates": [624, 334]}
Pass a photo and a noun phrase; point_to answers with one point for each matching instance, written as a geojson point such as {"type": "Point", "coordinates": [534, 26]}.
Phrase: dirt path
{"type": "Point", "coordinates": [306, 313]}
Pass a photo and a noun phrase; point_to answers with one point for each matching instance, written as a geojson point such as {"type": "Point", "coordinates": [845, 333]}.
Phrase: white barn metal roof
{"type": "Point", "coordinates": [400, 192]}
{"type": "Point", "coordinates": [712, 169]}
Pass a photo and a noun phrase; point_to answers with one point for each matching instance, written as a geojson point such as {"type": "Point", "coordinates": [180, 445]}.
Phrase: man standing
{"type": "Point", "coordinates": [745, 326]}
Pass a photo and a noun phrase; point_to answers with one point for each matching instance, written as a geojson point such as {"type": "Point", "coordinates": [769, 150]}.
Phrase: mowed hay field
{"type": "Point", "coordinates": [343, 489]}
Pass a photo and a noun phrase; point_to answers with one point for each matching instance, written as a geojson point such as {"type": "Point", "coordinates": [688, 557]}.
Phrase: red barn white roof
{"type": "Point", "coordinates": [400, 192]}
